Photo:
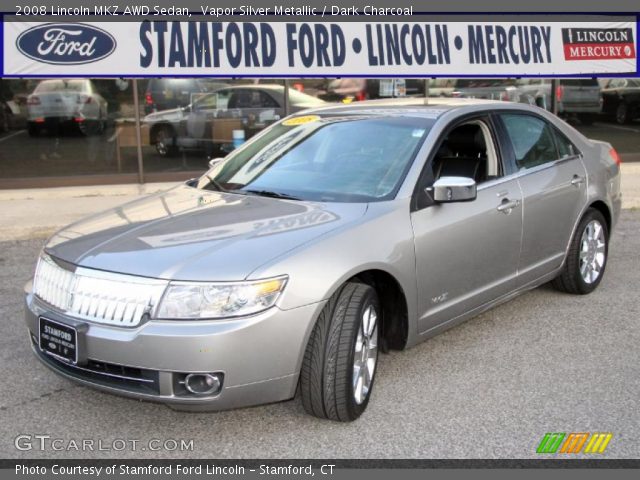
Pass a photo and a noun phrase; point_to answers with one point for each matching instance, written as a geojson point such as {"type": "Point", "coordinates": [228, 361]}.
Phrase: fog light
{"type": "Point", "coordinates": [202, 383]}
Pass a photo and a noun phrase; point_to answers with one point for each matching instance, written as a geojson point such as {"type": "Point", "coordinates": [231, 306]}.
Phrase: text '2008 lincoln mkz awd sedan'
{"type": "Point", "coordinates": [331, 236]}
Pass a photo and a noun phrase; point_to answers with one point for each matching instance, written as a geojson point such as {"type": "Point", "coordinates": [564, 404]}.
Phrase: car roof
{"type": "Point", "coordinates": [409, 106]}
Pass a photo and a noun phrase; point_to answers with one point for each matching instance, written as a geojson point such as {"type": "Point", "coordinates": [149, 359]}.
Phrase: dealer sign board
{"type": "Point", "coordinates": [319, 48]}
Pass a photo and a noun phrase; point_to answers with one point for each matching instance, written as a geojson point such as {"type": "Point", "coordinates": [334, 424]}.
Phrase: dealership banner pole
{"type": "Point", "coordinates": [286, 98]}
{"type": "Point", "coordinates": [136, 106]}
{"type": "Point", "coordinates": [553, 107]}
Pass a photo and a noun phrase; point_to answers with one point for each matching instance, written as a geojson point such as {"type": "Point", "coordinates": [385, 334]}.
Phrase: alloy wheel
{"type": "Point", "coordinates": [365, 355]}
{"type": "Point", "coordinates": [592, 251]}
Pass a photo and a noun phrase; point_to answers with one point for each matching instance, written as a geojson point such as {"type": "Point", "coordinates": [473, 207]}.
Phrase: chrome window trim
{"type": "Point", "coordinates": [527, 171]}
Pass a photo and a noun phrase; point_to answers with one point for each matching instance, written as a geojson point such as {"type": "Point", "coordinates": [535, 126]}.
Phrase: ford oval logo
{"type": "Point", "coordinates": [66, 43]}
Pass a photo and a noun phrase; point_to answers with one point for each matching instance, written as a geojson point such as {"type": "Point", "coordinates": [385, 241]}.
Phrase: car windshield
{"type": "Point", "coordinates": [328, 159]}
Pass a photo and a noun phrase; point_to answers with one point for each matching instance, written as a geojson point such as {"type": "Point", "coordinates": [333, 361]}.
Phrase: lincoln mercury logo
{"type": "Point", "coordinates": [574, 443]}
{"type": "Point", "coordinates": [66, 43]}
{"type": "Point", "coordinates": [598, 43]}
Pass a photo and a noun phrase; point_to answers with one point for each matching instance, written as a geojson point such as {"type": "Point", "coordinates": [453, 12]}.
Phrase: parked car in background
{"type": "Point", "coordinates": [337, 234]}
{"type": "Point", "coordinates": [441, 87]}
{"type": "Point", "coordinates": [166, 93]}
{"type": "Point", "coordinates": [574, 96]}
{"type": "Point", "coordinates": [6, 117]}
{"type": "Point", "coordinates": [621, 98]}
{"type": "Point", "coordinates": [247, 107]}
{"type": "Point", "coordinates": [357, 89]}
{"type": "Point", "coordinates": [74, 101]}
{"type": "Point", "coordinates": [484, 88]}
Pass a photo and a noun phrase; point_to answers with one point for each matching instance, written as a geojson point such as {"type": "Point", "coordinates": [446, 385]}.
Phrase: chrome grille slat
{"type": "Point", "coordinates": [101, 297]}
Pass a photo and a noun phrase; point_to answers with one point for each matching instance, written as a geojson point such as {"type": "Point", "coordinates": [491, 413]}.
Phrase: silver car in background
{"type": "Point", "coordinates": [332, 236]}
{"type": "Point", "coordinates": [74, 101]}
{"type": "Point", "coordinates": [581, 97]}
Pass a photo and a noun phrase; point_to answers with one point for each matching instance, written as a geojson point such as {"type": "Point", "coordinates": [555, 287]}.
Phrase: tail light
{"type": "Point", "coordinates": [148, 98]}
{"type": "Point", "coordinates": [504, 96]}
{"type": "Point", "coordinates": [84, 99]}
{"type": "Point", "coordinates": [33, 100]}
{"type": "Point", "coordinates": [361, 95]}
{"type": "Point", "coordinates": [559, 93]}
{"type": "Point", "coordinates": [614, 156]}
{"type": "Point", "coordinates": [298, 86]}
{"type": "Point", "coordinates": [456, 94]}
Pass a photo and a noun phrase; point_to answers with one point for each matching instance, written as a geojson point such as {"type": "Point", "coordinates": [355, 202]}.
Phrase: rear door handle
{"type": "Point", "coordinates": [507, 205]}
{"type": "Point", "coordinates": [577, 180]}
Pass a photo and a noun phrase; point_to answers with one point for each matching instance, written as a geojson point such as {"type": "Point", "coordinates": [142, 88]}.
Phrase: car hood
{"type": "Point", "coordinates": [191, 234]}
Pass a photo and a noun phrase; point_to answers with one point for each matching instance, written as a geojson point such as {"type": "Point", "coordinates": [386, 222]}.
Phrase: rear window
{"type": "Point", "coordinates": [175, 84]}
{"type": "Point", "coordinates": [61, 86]}
{"type": "Point", "coordinates": [583, 82]}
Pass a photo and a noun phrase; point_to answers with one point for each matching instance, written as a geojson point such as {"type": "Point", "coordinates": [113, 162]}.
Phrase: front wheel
{"type": "Point", "coordinates": [587, 256]}
{"type": "Point", "coordinates": [340, 361]}
{"type": "Point", "coordinates": [586, 118]}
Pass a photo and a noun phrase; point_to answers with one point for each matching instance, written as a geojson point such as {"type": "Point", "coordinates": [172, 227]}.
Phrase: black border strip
{"type": "Point", "coordinates": [545, 463]}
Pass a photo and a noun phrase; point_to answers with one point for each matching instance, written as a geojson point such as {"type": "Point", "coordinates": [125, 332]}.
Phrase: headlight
{"type": "Point", "coordinates": [190, 300]}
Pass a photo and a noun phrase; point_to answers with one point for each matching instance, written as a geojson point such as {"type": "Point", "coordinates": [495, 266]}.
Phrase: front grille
{"type": "Point", "coordinates": [97, 296]}
{"type": "Point", "coordinates": [131, 379]}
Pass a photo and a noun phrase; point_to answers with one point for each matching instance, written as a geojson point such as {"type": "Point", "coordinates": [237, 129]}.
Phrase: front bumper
{"type": "Point", "coordinates": [259, 356]}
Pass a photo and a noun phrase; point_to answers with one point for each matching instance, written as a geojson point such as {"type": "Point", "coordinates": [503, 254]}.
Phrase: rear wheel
{"type": "Point", "coordinates": [340, 361]}
{"type": "Point", "coordinates": [586, 118]}
{"type": "Point", "coordinates": [587, 256]}
{"type": "Point", "coordinates": [33, 129]}
{"type": "Point", "coordinates": [623, 113]}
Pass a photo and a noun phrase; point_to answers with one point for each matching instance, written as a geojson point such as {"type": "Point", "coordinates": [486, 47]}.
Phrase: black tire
{"type": "Point", "coordinates": [165, 141]}
{"type": "Point", "coordinates": [586, 118]}
{"type": "Point", "coordinates": [326, 378]}
{"type": "Point", "coordinates": [33, 129]}
{"type": "Point", "coordinates": [570, 279]}
{"type": "Point", "coordinates": [623, 113]}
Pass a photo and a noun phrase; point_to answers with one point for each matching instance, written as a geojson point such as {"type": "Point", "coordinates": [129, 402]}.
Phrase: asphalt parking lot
{"type": "Point", "coordinates": [490, 388]}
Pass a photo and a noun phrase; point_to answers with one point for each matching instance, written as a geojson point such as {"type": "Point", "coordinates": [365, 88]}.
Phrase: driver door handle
{"type": "Point", "coordinates": [577, 180]}
{"type": "Point", "coordinates": [507, 205]}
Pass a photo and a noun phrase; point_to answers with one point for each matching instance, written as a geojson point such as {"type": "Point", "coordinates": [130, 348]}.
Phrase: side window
{"type": "Point", "coordinates": [266, 101]}
{"type": "Point", "coordinates": [531, 138]}
{"type": "Point", "coordinates": [206, 102]}
{"type": "Point", "coordinates": [222, 100]}
{"type": "Point", "coordinates": [468, 151]}
{"type": "Point", "coordinates": [565, 147]}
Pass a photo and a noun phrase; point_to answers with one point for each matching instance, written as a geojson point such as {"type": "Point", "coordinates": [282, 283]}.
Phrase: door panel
{"type": "Point", "coordinates": [467, 253]}
{"type": "Point", "coordinates": [553, 195]}
{"type": "Point", "coordinates": [554, 191]}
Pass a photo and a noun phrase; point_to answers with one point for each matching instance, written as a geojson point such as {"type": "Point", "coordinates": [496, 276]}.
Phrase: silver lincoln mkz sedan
{"type": "Point", "coordinates": [331, 236]}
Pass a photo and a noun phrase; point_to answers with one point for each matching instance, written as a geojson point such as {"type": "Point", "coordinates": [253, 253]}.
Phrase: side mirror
{"type": "Point", "coordinates": [453, 189]}
{"type": "Point", "coordinates": [214, 161]}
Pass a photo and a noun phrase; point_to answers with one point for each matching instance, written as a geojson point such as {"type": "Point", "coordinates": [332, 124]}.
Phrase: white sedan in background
{"type": "Point", "coordinates": [66, 101]}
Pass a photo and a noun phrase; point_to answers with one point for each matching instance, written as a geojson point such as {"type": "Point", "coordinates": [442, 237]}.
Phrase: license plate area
{"type": "Point", "coordinates": [58, 340]}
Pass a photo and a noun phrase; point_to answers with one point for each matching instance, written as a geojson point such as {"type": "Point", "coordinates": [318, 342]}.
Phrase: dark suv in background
{"type": "Point", "coordinates": [621, 99]}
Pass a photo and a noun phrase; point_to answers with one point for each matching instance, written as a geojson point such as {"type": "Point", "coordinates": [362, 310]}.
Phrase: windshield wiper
{"type": "Point", "coordinates": [271, 194]}
{"type": "Point", "coordinates": [216, 185]}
